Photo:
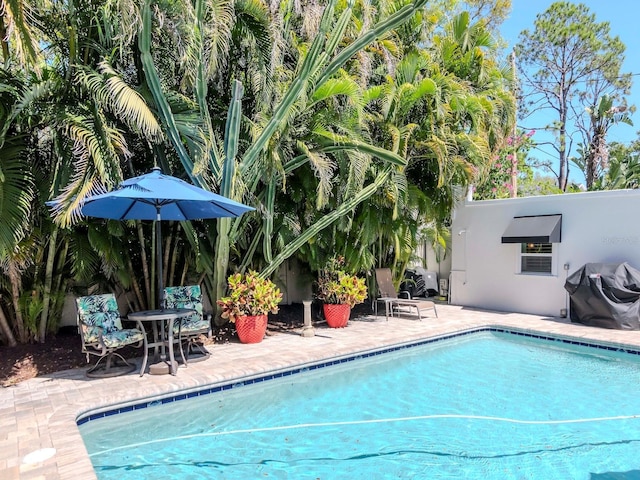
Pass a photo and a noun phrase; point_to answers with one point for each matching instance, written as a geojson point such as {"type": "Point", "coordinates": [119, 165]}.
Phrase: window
{"type": "Point", "coordinates": [536, 258]}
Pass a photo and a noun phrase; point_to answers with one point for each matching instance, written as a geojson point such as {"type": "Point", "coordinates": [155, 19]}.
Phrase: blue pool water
{"type": "Point", "coordinates": [483, 406]}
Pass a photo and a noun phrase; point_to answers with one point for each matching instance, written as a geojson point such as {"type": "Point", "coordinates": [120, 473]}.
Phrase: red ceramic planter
{"type": "Point", "coordinates": [336, 315]}
{"type": "Point", "coordinates": [251, 328]}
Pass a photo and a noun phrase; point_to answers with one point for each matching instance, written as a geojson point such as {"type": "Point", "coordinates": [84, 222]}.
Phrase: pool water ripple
{"type": "Point", "coordinates": [419, 413]}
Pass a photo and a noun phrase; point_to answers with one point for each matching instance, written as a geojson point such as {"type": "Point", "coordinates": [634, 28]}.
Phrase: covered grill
{"type": "Point", "coordinates": [605, 295]}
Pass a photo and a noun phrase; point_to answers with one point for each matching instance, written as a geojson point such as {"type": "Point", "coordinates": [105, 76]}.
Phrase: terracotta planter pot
{"type": "Point", "coordinates": [251, 328]}
{"type": "Point", "coordinates": [336, 315]}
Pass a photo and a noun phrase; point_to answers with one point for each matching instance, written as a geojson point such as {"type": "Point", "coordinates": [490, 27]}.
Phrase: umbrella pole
{"type": "Point", "coordinates": [160, 291]}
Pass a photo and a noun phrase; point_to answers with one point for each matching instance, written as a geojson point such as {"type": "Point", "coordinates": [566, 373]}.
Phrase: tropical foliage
{"type": "Point", "coordinates": [623, 168]}
{"type": "Point", "coordinates": [335, 286]}
{"type": "Point", "coordinates": [249, 294]}
{"type": "Point", "coordinates": [346, 124]}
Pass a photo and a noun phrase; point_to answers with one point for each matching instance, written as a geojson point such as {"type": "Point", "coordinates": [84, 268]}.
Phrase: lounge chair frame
{"type": "Point", "coordinates": [391, 298]}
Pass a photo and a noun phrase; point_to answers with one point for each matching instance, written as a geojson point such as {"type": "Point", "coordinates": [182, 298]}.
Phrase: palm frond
{"type": "Point", "coordinates": [344, 86]}
{"type": "Point", "coordinates": [84, 259]}
{"type": "Point", "coordinates": [254, 26]}
{"type": "Point", "coordinates": [26, 98]}
{"type": "Point", "coordinates": [112, 93]}
{"type": "Point", "coordinates": [219, 21]}
{"type": "Point", "coordinates": [97, 148]}
{"type": "Point", "coordinates": [16, 194]}
{"type": "Point", "coordinates": [323, 168]}
{"type": "Point", "coordinates": [409, 68]}
{"type": "Point", "coordinates": [359, 163]}
{"type": "Point", "coordinates": [19, 20]}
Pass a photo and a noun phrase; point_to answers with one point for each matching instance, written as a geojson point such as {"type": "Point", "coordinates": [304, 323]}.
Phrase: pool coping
{"type": "Point", "coordinates": [42, 412]}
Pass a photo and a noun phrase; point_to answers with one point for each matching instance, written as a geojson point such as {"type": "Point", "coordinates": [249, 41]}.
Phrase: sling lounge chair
{"type": "Point", "coordinates": [102, 335]}
{"type": "Point", "coordinates": [392, 300]}
{"type": "Point", "coordinates": [189, 329]}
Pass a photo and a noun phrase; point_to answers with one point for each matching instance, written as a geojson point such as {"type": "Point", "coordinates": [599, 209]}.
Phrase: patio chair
{"type": "Point", "coordinates": [101, 332]}
{"type": "Point", "coordinates": [392, 300]}
{"type": "Point", "coordinates": [189, 329]}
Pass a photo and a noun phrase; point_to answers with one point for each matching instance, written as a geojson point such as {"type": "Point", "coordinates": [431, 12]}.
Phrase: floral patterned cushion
{"type": "Point", "coordinates": [99, 314]}
{"type": "Point", "coordinates": [187, 297]}
{"type": "Point", "coordinates": [120, 338]}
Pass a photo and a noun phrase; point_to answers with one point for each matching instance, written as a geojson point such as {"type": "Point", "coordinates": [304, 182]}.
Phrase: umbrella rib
{"type": "Point", "coordinates": [186, 216]}
{"type": "Point", "coordinates": [154, 203]}
{"type": "Point", "coordinates": [233, 214]}
{"type": "Point", "coordinates": [126, 212]}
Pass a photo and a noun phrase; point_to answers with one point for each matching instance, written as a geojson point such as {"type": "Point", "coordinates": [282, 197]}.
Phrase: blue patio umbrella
{"type": "Point", "coordinates": [155, 196]}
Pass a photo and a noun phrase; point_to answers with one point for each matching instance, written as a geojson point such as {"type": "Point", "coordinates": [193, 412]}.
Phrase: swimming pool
{"type": "Point", "coordinates": [489, 405]}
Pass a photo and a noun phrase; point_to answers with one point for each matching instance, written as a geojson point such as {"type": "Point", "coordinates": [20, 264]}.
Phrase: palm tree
{"type": "Point", "coordinates": [602, 116]}
{"type": "Point", "coordinates": [69, 115]}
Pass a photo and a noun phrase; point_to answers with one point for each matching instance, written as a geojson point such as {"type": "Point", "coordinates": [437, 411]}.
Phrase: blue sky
{"type": "Point", "coordinates": [622, 16]}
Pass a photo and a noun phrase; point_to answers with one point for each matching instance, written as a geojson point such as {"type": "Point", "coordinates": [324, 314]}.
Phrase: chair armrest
{"type": "Point", "coordinates": [100, 331]}
{"type": "Point", "coordinates": [404, 292]}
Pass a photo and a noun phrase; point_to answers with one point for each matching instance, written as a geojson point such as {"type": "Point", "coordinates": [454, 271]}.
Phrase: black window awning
{"type": "Point", "coordinates": [534, 229]}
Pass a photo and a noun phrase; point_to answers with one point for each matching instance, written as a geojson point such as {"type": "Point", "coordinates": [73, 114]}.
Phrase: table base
{"type": "Point", "coordinates": [162, 368]}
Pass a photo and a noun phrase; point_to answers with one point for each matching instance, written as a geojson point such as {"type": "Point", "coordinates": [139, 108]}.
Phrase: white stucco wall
{"type": "Point", "coordinates": [596, 227]}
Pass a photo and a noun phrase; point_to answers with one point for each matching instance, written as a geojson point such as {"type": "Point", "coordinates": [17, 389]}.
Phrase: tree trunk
{"type": "Point", "coordinates": [134, 282]}
{"type": "Point", "coordinates": [4, 40]}
{"type": "Point", "coordinates": [591, 168]}
{"type": "Point", "coordinates": [174, 256]}
{"type": "Point", "coordinates": [594, 158]}
{"type": "Point", "coordinates": [166, 254]}
{"type": "Point", "coordinates": [48, 281]}
{"type": "Point", "coordinates": [6, 329]}
{"type": "Point", "coordinates": [15, 278]}
{"type": "Point", "coordinates": [221, 265]}
{"type": "Point", "coordinates": [514, 160]}
{"type": "Point", "coordinates": [563, 171]}
{"type": "Point", "coordinates": [60, 284]}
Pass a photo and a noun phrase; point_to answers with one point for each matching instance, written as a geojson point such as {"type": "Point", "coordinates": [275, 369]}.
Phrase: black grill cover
{"type": "Point", "coordinates": [605, 295]}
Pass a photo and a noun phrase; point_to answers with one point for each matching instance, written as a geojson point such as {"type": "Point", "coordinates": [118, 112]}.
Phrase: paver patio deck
{"type": "Point", "coordinates": [41, 412]}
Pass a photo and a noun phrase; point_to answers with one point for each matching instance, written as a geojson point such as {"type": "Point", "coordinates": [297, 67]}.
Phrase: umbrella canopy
{"type": "Point", "coordinates": [155, 196]}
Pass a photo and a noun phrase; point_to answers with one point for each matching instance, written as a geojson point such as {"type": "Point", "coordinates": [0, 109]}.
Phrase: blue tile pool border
{"type": "Point", "coordinates": [84, 418]}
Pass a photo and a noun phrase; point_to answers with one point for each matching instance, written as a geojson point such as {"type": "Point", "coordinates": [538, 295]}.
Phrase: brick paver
{"type": "Point", "coordinates": [41, 412]}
